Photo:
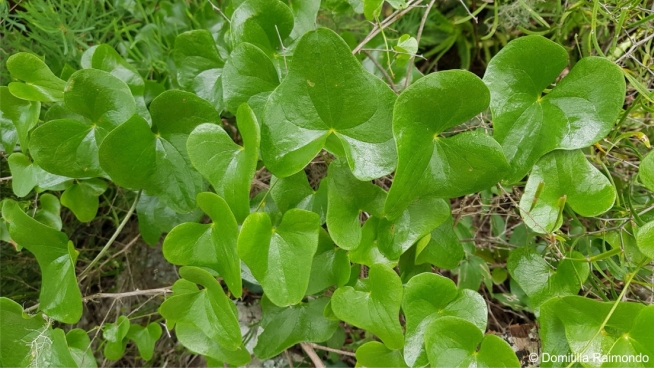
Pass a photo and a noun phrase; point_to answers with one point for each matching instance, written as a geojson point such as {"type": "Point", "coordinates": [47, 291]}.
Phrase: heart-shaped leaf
{"type": "Point", "coordinates": [26, 175]}
{"type": "Point", "coordinates": [373, 304]}
{"type": "Point", "coordinates": [17, 118]}
{"type": "Point", "coordinates": [40, 83]}
{"type": "Point", "coordinates": [249, 77]}
{"type": "Point", "coordinates": [455, 342]}
{"type": "Point", "coordinates": [562, 177]}
{"type": "Point", "coordinates": [330, 266]}
{"type": "Point", "coordinates": [60, 297]}
{"type": "Point", "coordinates": [578, 112]}
{"type": "Point", "coordinates": [441, 248]}
{"type": "Point", "coordinates": [645, 239]}
{"type": "Point", "coordinates": [429, 164]}
{"type": "Point", "coordinates": [79, 345]}
{"type": "Point", "coordinates": [199, 65]}
{"type": "Point", "coordinates": [280, 257]}
{"type": "Point", "coordinates": [295, 192]}
{"type": "Point", "coordinates": [69, 147]}
{"type": "Point", "coordinates": [540, 281]}
{"type": "Point", "coordinates": [155, 159]}
{"type": "Point", "coordinates": [114, 334]}
{"type": "Point", "coordinates": [338, 97]}
{"type": "Point", "coordinates": [48, 211]}
{"type": "Point", "coordinates": [287, 326]}
{"type": "Point", "coordinates": [263, 23]}
{"type": "Point", "coordinates": [196, 341]}
{"type": "Point", "coordinates": [367, 252]}
{"type": "Point", "coordinates": [104, 57]}
{"type": "Point", "coordinates": [226, 165]}
{"type": "Point", "coordinates": [208, 245]}
{"type": "Point", "coordinates": [374, 354]}
{"type": "Point", "coordinates": [579, 320]}
{"type": "Point", "coordinates": [208, 310]}
{"type": "Point", "coordinates": [417, 220]}
{"type": "Point", "coordinates": [145, 338]}
{"type": "Point", "coordinates": [428, 297]}
{"type": "Point", "coordinates": [347, 198]}
{"type": "Point", "coordinates": [304, 14]}
{"type": "Point", "coordinates": [82, 198]}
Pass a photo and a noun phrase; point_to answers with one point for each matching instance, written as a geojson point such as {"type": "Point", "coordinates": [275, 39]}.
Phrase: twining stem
{"type": "Point", "coordinates": [418, 35]}
{"type": "Point", "coordinates": [112, 239]}
{"type": "Point", "coordinates": [388, 52]}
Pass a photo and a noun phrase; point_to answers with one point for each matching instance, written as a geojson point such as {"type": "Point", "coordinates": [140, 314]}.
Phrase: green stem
{"type": "Point", "coordinates": [113, 237]}
{"type": "Point", "coordinates": [598, 257]}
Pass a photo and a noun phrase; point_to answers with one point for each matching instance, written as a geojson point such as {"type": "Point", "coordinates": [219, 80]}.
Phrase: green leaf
{"type": "Point", "coordinates": [472, 271]}
{"type": "Point", "coordinates": [155, 218]}
{"type": "Point", "coordinates": [338, 97]}
{"type": "Point", "coordinates": [60, 297]}
{"type": "Point", "coordinates": [367, 252]}
{"type": "Point", "coordinates": [455, 342]}
{"type": "Point", "coordinates": [155, 159]}
{"type": "Point", "coordinates": [17, 332]}
{"type": "Point", "coordinates": [428, 297]}
{"type": "Point", "coordinates": [375, 354]}
{"type": "Point", "coordinates": [104, 57]}
{"type": "Point", "coordinates": [48, 212]}
{"type": "Point", "coordinates": [226, 165]}
{"type": "Point", "coordinates": [330, 266]}
{"type": "Point", "coordinates": [145, 338]}
{"type": "Point", "coordinates": [280, 258]}
{"type": "Point", "coordinates": [249, 76]}
{"type": "Point", "coordinates": [373, 304]}
{"type": "Point", "coordinates": [408, 46]}
{"type": "Point", "coordinates": [263, 23]}
{"type": "Point", "coordinates": [100, 97]}
{"type": "Point", "coordinates": [441, 248]}
{"type": "Point", "coordinates": [581, 319]}
{"type": "Point", "coordinates": [208, 245]}
{"type": "Point", "coordinates": [645, 239]}
{"type": "Point", "coordinates": [430, 164]}
{"type": "Point", "coordinates": [419, 219]}
{"type": "Point", "coordinates": [304, 14]}
{"type": "Point", "coordinates": [79, 345]}
{"type": "Point", "coordinates": [578, 112]}
{"type": "Point", "coordinates": [540, 281]}
{"type": "Point", "coordinates": [82, 198]}
{"type": "Point", "coordinates": [17, 118]}
{"type": "Point", "coordinates": [26, 175]}
{"type": "Point", "coordinates": [562, 177]}
{"type": "Point", "coordinates": [295, 192]}
{"type": "Point", "coordinates": [284, 327]}
{"type": "Point", "coordinates": [115, 334]}
{"type": "Point", "coordinates": [646, 171]}
{"type": "Point", "coordinates": [199, 65]}
{"type": "Point", "coordinates": [372, 8]}
{"type": "Point", "coordinates": [347, 198]}
{"type": "Point", "coordinates": [40, 83]}
{"type": "Point", "coordinates": [208, 310]}
{"type": "Point", "coordinates": [196, 341]}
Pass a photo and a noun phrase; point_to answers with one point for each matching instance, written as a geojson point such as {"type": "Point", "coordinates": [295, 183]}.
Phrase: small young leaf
{"type": "Point", "coordinates": [455, 342]}
{"type": "Point", "coordinates": [562, 177]}
{"type": "Point", "coordinates": [60, 297]}
{"type": "Point", "coordinates": [280, 258]}
{"type": "Point", "coordinates": [145, 338]}
{"type": "Point", "coordinates": [441, 248]}
{"type": "Point", "coordinates": [40, 83]}
{"type": "Point", "coordinates": [339, 98]}
{"type": "Point", "coordinates": [115, 334]}
{"type": "Point", "coordinates": [284, 327]}
{"type": "Point", "coordinates": [208, 245]}
{"type": "Point", "coordinates": [367, 252]}
{"type": "Point", "coordinates": [373, 304]}
{"type": "Point", "coordinates": [26, 175]}
{"type": "Point", "coordinates": [82, 198]}
{"type": "Point", "coordinates": [79, 345]}
{"type": "Point", "coordinates": [226, 165]}
{"type": "Point", "coordinates": [48, 212]}
{"type": "Point", "coordinates": [330, 266]}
